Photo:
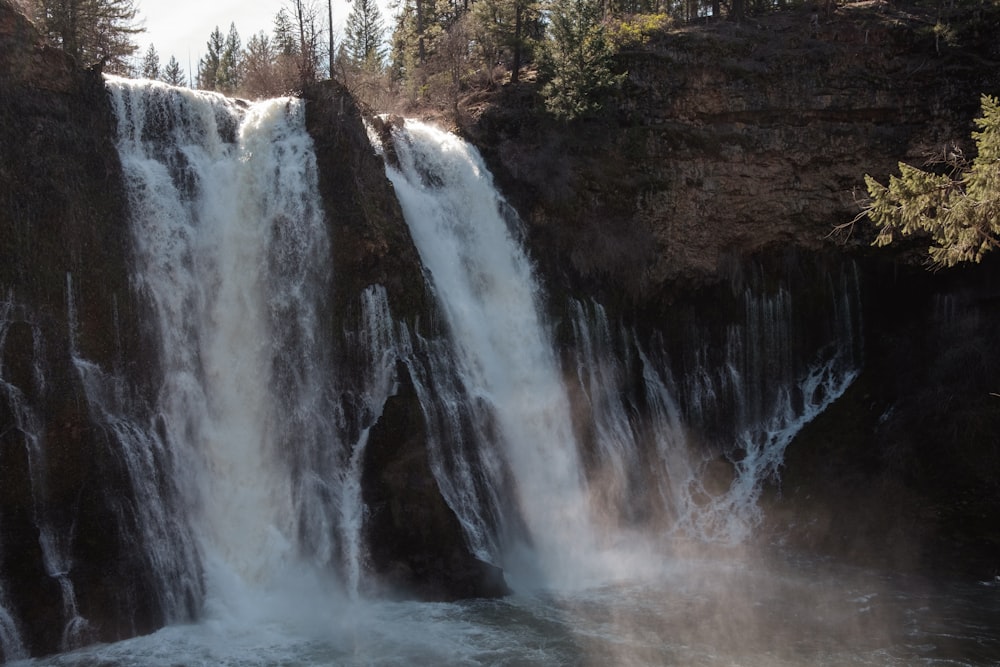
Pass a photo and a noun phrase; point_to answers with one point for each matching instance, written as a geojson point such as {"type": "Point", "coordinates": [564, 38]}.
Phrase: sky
{"type": "Point", "coordinates": [180, 28]}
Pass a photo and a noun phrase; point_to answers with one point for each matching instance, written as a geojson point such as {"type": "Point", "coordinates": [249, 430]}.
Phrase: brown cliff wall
{"type": "Point", "coordinates": [728, 138]}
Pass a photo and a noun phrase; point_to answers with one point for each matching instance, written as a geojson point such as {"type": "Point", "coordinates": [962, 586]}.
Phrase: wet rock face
{"type": "Point", "coordinates": [904, 470]}
{"type": "Point", "coordinates": [416, 545]}
{"type": "Point", "coordinates": [63, 285]}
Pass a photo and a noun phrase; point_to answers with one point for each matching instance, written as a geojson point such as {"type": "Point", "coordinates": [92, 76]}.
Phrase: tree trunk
{"type": "Point", "coordinates": [515, 66]}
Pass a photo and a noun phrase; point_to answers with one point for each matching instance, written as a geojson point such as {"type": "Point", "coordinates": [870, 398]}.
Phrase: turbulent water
{"type": "Point", "coordinates": [588, 471]}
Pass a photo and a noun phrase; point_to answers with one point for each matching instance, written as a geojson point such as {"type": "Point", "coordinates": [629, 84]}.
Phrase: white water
{"type": "Point", "coordinates": [232, 249]}
{"type": "Point", "coordinates": [503, 350]}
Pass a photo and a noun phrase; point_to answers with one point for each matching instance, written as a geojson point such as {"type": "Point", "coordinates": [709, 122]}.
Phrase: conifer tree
{"type": "Point", "coordinates": [208, 67]}
{"type": "Point", "coordinates": [505, 32]}
{"type": "Point", "coordinates": [151, 64]}
{"type": "Point", "coordinates": [228, 74]}
{"type": "Point", "coordinates": [364, 32]}
{"type": "Point", "coordinates": [92, 31]}
{"type": "Point", "coordinates": [578, 59]}
{"type": "Point", "coordinates": [284, 35]}
{"type": "Point", "coordinates": [173, 74]}
{"type": "Point", "coordinates": [959, 211]}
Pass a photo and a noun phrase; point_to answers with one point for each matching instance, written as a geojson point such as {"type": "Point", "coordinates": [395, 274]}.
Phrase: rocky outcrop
{"type": "Point", "coordinates": [728, 138]}
{"type": "Point", "coordinates": [416, 546]}
{"type": "Point", "coordinates": [904, 470]}
{"type": "Point", "coordinates": [415, 541]}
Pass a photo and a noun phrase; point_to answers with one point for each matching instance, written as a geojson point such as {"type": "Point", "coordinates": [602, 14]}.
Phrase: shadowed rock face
{"type": "Point", "coordinates": [63, 240]}
{"type": "Point", "coordinates": [416, 544]}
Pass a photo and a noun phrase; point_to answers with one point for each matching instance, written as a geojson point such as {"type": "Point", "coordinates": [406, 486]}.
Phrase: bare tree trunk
{"type": "Point", "coordinates": [329, 19]}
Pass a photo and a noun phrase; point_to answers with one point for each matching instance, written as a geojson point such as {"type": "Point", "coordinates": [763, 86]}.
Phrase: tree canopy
{"type": "Point", "coordinates": [959, 211]}
{"type": "Point", "coordinates": [92, 31]}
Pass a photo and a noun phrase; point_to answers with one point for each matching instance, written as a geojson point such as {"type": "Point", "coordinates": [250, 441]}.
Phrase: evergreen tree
{"type": "Point", "coordinates": [364, 32]}
{"type": "Point", "coordinates": [151, 64]}
{"type": "Point", "coordinates": [173, 74]}
{"type": "Point", "coordinates": [958, 211]}
{"type": "Point", "coordinates": [228, 75]}
{"type": "Point", "coordinates": [92, 31]}
{"type": "Point", "coordinates": [285, 42]}
{"type": "Point", "coordinates": [578, 58]}
{"type": "Point", "coordinates": [504, 32]}
{"type": "Point", "coordinates": [285, 45]}
{"type": "Point", "coordinates": [208, 67]}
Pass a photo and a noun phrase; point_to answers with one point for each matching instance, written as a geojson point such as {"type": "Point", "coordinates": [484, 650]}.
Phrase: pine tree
{"type": "Point", "coordinates": [958, 211]}
{"type": "Point", "coordinates": [173, 74]}
{"type": "Point", "coordinates": [364, 32]}
{"type": "Point", "coordinates": [92, 31]}
{"type": "Point", "coordinates": [579, 58]}
{"type": "Point", "coordinates": [228, 74]}
{"type": "Point", "coordinates": [151, 64]}
{"type": "Point", "coordinates": [208, 67]}
{"type": "Point", "coordinates": [504, 32]}
{"type": "Point", "coordinates": [284, 34]}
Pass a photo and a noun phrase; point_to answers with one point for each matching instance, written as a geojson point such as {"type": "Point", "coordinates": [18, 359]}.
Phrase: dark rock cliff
{"type": "Point", "coordinates": [64, 297]}
{"type": "Point", "coordinates": [416, 546]}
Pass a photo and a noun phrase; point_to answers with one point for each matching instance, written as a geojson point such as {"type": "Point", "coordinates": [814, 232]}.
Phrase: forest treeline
{"type": "Point", "coordinates": [428, 53]}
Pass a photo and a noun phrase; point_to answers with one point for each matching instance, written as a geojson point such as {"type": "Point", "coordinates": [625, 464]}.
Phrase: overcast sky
{"type": "Point", "coordinates": [180, 28]}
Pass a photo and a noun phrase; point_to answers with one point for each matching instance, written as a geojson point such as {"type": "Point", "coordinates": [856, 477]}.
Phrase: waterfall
{"type": "Point", "coordinates": [232, 250]}
{"type": "Point", "coordinates": [623, 442]}
{"type": "Point", "coordinates": [502, 347]}
{"type": "Point", "coordinates": [11, 643]}
{"type": "Point", "coordinates": [55, 529]}
{"type": "Point", "coordinates": [381, 342]}
{"type": "Point", "coordinates": [768, 376]}
{"type": "Point", "coordinates": [164, 542]}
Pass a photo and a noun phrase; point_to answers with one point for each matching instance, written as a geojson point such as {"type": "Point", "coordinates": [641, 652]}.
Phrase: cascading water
{"type": "Point", "coordinates": [11, 643]}
{"type": "Point", "coordinates": [490, 298]}
{"type": "Point", "coordinates": [582, 500]}
{"type": "Point", "coordinates": [232, 249]}
{"type": "Point", "coordinates": [603, 449]}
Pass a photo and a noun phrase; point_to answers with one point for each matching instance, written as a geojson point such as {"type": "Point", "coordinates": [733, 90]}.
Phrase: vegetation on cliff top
{"type": "Point", "coordinates": [959, 209]}
{"type": "Point", "coordinates": [437, 53]}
